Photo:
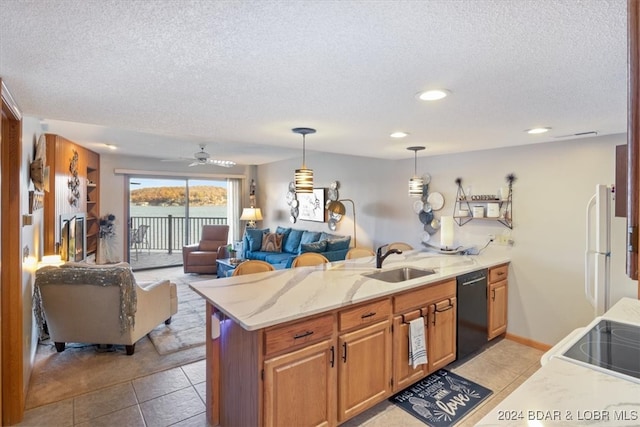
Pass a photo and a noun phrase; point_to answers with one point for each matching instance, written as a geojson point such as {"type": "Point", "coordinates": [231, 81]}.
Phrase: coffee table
{"type": "Point", "coordinates": [225, 267]}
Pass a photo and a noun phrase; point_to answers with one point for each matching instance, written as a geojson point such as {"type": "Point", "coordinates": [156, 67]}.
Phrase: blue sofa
{"type": "Point", "coordinates": [293, 243]}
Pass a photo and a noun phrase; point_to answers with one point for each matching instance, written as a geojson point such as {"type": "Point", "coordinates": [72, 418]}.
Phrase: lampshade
{"type": "Point", "coordinates": [416, 183]}
{"type": "Point", "coordinates": [252, 215]}
{"type": "Point", "coordinates": [337, 210]}
{"type": "Point", "coordinates": [446, 232]}
{"type": "Point", "coordinates": [303, 177]}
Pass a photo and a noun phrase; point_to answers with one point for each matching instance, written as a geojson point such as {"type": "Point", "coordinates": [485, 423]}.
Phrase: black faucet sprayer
{"type": "Point", "coordinates": [380, 257]}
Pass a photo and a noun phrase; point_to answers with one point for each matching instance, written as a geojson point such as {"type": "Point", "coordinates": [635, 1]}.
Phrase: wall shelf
{"type": "Point", "coordinates": [466, 204]}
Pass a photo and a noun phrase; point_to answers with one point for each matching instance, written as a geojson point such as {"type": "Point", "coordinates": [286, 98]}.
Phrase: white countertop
{"type": "Point", "coordinates": [260, 300]}
{"type": "Point", "coordinates": [563, 393]}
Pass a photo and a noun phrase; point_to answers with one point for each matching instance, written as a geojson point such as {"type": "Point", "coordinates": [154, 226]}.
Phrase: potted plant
{"type": "Point", "coordinates": [232, 252]}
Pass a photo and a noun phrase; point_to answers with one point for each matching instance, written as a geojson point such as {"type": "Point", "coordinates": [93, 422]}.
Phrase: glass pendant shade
{"type": "Point", "coordinates": [416, 183]}
{"type": "Point", "coordinates": [303, 177]}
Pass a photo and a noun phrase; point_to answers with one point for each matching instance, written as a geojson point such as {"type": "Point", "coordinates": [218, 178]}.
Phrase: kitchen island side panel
{"type": "Point", "coordinates": [240, 375]}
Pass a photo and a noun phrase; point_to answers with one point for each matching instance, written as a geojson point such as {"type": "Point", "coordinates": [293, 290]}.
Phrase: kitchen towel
{"type": "Point", "coordinates": [417, 343]}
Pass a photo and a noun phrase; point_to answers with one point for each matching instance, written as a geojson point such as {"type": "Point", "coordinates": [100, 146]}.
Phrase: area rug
{"type": "Point", "coordinates": [442, 399]}
{"type": "Point", "coordinates": [83, 368]}
{"type": "Point", "coordinates": [188, 325]}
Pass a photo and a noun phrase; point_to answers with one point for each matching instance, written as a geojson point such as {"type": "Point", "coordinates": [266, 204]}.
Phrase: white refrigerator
{"type": "Point", "coordinates": [597, 282]}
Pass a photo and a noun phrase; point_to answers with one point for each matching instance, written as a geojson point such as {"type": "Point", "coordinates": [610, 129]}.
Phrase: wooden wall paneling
{"type": "Point", "coordinates": [12, 392]}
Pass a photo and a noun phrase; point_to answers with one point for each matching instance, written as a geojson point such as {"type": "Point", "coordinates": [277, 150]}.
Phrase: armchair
{"type": "Point", "coordinates": [201, 257]}
{"type": "Point", "coordinates": [100, 304]}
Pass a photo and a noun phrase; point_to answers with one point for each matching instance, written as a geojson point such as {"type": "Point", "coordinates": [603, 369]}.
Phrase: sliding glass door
{"type": "Point", "coordinates": [167, 213]}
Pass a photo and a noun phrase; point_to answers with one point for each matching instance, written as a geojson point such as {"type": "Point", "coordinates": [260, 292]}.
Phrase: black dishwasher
{"type": "Point", "coordinates": [472, 312]}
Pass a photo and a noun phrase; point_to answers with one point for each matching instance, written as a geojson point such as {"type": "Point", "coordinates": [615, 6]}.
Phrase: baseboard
{"type": "Point", "coordinates": [528, 342]}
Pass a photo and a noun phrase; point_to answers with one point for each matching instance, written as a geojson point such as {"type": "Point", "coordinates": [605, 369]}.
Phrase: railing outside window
{"type": "Point", "coordinates": [168, 233]}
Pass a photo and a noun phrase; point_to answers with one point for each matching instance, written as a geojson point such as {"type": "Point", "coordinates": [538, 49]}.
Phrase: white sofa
{"type": "Point", "coordinates": [100, 304]}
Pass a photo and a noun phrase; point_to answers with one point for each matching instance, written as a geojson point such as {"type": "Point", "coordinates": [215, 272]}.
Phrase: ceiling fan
{"type": "Point", "coordinates": [203, 158]}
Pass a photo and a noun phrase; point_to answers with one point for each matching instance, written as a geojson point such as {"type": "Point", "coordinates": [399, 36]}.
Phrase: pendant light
{"type": "Point", "coordinates": [303, 177]}
{"type": "Point", "coordinates": [416, 183]}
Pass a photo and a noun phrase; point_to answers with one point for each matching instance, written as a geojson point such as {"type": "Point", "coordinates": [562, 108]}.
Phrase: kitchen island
{"type": "Point", "coordinates": [567, 393]}
{"type": "Point", "coordinates": [278, 338]}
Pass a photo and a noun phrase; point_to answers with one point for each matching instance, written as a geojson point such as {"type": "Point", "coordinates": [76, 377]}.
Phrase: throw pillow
{"type": "Point", "coordinates": [328, 236]}
{"type": "Point", "coordinates": [285, 234]}
{"type": "Point", "coordinates": [254, 238]}
{"type": "Point", "coordinates": [320, 246]}
{"type": "Point", "coordinates": [309, 237]}
{"type": "Point", "coordinates": [271, 242]}
{"type": "Point", "coordinates": [338, 244]}
{"type": "Point", "coordinates": [292, 243]}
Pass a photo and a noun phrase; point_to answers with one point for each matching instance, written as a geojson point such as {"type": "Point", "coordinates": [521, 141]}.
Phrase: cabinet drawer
{"type": "Point", "coordinates": [364, 314]}
{"type": "Point", "coordinates": [499, 273]}
{"type": "Point", "coordinates": [287, 336]}
{"type": "Point", "coordinates": [422, 296]}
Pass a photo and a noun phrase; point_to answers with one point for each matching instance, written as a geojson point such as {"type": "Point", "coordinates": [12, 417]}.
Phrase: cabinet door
{"type": "Point", "coordinates": [441, 331]}
{"type": "Point", "coordinates": [404, 374]}
{"type": "Point", "coordinates": [497, 309]}
{"type": "Point", "coordinates": [364, 369]}
{"type": "Point", "coordinates": [299, 387]}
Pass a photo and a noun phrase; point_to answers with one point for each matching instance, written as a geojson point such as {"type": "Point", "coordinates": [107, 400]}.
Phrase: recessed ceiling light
{"type": "Point", "coordinates": [433, 95]}
{"type": "Point", "coordinates": [399, 135]}
{"type": "Point", "coordinates": [535, 131]}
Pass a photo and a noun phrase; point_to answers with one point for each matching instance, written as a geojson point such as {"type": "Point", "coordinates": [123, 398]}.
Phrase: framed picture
{"type": "Point", "coordinates": [311, 205]}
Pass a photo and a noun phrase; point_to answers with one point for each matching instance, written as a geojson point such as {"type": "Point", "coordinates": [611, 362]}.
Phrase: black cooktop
{"type": "Point", "coordinates": [610, 345]}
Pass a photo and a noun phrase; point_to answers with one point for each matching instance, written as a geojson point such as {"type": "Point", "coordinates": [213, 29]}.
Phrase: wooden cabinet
{"type": "Point", "coordinates": [364, 368]}
{"type": "Point", "coordinates": [404, 374]}
{"type": "Point", "coordinates": [299, 387]}
{"type": "Point", "coordinates": [436, 304]}
{"type": "Point", "coordinates": [441, 332]}
{"type": "Point", "coordinates": [497, 298]}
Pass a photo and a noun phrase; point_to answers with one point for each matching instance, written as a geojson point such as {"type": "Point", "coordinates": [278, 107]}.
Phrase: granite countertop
{"type": "Point", "coordinates": [260, 300]}
{"type": "Point", "coordinates": [565, 393]}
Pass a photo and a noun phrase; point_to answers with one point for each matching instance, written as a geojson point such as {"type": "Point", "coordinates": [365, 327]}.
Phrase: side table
{"type": "Point", "coordinates": [225, 267]}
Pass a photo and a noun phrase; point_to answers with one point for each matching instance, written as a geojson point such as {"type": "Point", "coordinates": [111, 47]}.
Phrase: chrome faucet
{"type": "Point", "coordinates": [380, 257]}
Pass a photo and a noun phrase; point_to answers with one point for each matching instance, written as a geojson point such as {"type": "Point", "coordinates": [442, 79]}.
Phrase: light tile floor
{"type": "Point", "coordinates": [176, 397]}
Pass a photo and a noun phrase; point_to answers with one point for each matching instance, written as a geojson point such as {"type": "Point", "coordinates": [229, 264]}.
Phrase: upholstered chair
{"type": "Point", "coordinates": [359, 253]}
{"type": "Point", "coordinates": [309, 259]}
{"type": "Point", "coordinates": [201, 257]}
{"type": "Point", "coordinates": [252, 266]}
{"type": "Point", "coordinates": [100, 304]}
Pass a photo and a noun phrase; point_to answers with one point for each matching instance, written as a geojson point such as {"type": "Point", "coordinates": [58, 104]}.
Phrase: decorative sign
{"type": "Point", "coordinates": [36, 201]}
{"type": "Point", "coordinates": [312, 205]}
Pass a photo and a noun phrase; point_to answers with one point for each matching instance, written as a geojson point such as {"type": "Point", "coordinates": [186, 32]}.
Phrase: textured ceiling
{"type": "Point", "coordinates": [149, 76]}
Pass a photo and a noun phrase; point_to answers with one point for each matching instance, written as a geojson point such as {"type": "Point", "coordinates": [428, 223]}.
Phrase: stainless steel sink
{"type": "Point", "coordinates": [399, 274]}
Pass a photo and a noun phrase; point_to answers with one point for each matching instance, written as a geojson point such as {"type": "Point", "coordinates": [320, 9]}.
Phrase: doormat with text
{"type": "Point", "coordinates": [441, 399]}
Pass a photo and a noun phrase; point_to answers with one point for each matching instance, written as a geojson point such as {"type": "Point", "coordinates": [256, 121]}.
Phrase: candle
{"type": "Point", "coordinates": [446, 232]}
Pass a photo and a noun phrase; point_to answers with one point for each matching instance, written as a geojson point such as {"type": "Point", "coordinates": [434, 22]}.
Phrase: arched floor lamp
{"type": "Point", "coordinates": [337, 210]}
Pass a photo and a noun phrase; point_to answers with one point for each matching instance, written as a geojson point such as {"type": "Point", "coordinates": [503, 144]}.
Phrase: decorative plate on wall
{"type": "Point", "coordinates": [436, 200]}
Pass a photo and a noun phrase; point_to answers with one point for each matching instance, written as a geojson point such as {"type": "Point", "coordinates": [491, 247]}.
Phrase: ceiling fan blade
{"type": "Point", "coordinates": [196, 163]}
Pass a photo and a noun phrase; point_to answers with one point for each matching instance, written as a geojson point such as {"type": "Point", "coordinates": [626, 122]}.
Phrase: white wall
{"type": "Point", "coordinates": [31, 236]}
{"type": "Point", "coordinates": [554, 183]}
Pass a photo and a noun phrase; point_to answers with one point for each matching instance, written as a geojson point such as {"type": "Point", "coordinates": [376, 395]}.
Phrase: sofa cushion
{"type": "Point", "coordinates": [292, 243]}
{"type": "Point", "coordinates": [308, 237]}
{"type": "Point", "coordinates": [320, 246]}
{"type": "Point", "coordinates": [338, 244]}
{"type": "Point", "coordinates": [285, 234]}
{"type": "Point", "coordinates": [271, 242]}
{"type": "Point", "coordinates": [254, 238]}
{"type": "Point", "coordinates": [278, 258]}
{"type": "Point", "coordinates": [329, 236]}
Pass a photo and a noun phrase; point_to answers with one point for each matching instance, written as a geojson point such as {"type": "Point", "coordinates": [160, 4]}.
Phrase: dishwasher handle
{"type": "Point", "coordinates": [471, 282]}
